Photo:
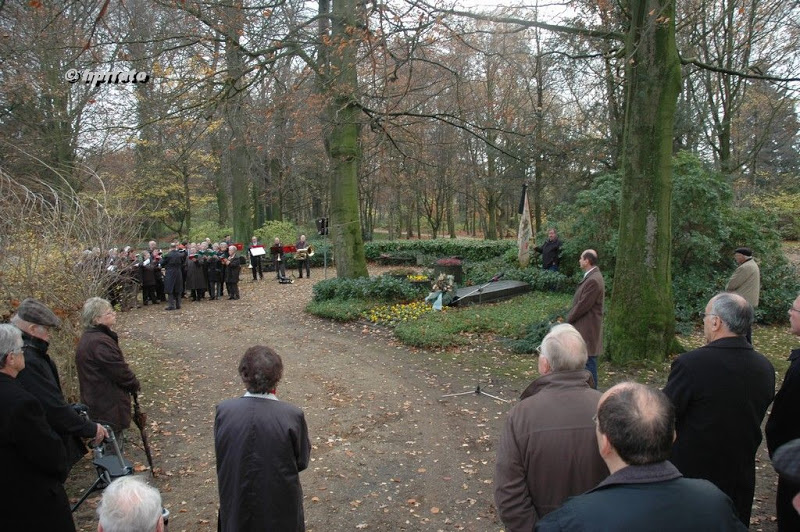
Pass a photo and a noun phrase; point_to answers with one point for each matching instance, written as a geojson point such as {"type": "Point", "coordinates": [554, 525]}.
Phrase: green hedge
{"type": "Point", "coordinates": [381, 287]}
{"type": "Point", "coordinates": [429, 250]}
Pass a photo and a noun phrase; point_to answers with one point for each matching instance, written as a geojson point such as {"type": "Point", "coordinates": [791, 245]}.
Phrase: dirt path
{"type": "Point", "coordinates": [388, 453]}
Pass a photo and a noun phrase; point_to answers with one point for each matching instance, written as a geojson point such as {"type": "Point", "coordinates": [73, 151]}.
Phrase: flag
{"type": "Point", "coordinates": [524, 235]}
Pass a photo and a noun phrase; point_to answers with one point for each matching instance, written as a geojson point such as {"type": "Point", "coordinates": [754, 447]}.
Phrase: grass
{"type": "Point", "coordinates": [455, 326]}
{"type": "Point", "coordinates": [339, 309]}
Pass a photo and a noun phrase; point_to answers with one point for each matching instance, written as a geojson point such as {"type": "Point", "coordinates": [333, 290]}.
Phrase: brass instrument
{"type": "Point", "coordinates": [304, 253]}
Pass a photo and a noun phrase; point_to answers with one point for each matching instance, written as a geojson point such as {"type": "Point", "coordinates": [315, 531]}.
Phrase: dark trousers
{"type": "Point", "coordinates": [280, 269]}
{"type": "Point", "coordinates": [214, 289]}
{"type": "Point", "coordinates": [233, 290]}
{"type": "Point", "coordinates": [788, 518]}
{"type": "Point", "coordinates": [300, 264]}
{"type": "Point", "coordinates": [255, 262]}
{"type": "Point", "coordinates": [174, 300]}
{"type": "Point", "coordinates": [149, 295]}
{"type": "Point", "coordinates": [591, 367]}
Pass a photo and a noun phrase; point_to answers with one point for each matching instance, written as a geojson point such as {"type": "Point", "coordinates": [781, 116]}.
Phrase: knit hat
{"type": "Point", "coordinates": [747, 252]}
{"type": "Point", "coordinates": [786, 460]}
{"type": "Point", "coordinates": [34, 311]}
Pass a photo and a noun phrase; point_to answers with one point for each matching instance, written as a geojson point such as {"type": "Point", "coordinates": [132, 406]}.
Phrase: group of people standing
{"type": "Point", "coordinates": [638, 458]}
{"type": "Point", "coordinates": [42, 436]}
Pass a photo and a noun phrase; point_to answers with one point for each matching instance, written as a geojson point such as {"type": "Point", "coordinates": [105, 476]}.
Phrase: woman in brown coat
{"type": "Point", "coordinates": [105, 378]}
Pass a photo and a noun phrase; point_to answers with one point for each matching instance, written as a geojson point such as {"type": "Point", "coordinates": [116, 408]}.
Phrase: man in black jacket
{"type": "Point", "coordinates": [783, 426]}
{"type": "Point", "coordinates": [721, 392]}
{"type": "Point", "coordinates": [40, 378]}
{"type": "Point", "coordinates": [34, 467]}
{"type": "Point", "coordinates": [550, 250]}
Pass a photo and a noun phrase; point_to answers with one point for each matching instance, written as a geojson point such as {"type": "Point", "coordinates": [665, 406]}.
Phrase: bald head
{"type": "Point", "coordinates": [638, 421]}
{"type": "Point", "coordinates": [727, 314]}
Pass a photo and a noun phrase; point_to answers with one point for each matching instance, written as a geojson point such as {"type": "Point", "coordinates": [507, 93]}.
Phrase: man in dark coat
{"type": "Point", "coordinates": [34, 459]}
{"type": "Point", "coordinates": [173, 263]}
{"type": "Point", "coordinates": [40, 378]}
{"type": "Point", "coordinates": [783, 426]}
{"type": "Point", "coordinates": [635, 430]}
{"type": "Point", "coordinates": [548, 450]}
{"type": "Point", "coordinates": [550, 250]}
{"type": "Point", "coordinates": [721, 392]}
{"type": "Point", "coordinates": [586, 313]}
{"type": "Point", "coordinates": [261, 445]}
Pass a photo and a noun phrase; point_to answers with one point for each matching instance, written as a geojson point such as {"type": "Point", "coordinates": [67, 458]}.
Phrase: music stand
{"type": "Point", "coordinates": [477, 391]}
{"type": "Point", "coordinates": [108, 466]}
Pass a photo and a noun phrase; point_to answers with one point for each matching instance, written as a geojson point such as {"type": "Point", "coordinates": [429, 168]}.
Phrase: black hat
{"type": "Point", "coordinates": [34, 311]}
{"type": "Point", "coordinates": [786, 460]}
{"type": "Point", "coordinates": [747, 252]}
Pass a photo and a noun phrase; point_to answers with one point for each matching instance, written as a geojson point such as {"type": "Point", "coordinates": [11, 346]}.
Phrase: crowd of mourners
{"type": "Point", "coordinates": [202, 270]}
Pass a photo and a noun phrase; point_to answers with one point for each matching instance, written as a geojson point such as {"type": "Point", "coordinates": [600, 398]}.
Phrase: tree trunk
{"type": "Point", "coordinates": [237, 146]}
{"type": "Point", "coordinates": [343, 142]}
{"type": "Point", "coordinates": [641, 317]}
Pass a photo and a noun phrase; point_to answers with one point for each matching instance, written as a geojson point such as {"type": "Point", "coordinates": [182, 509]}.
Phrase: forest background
{"type": "Point", "coordinates": [408, 119]}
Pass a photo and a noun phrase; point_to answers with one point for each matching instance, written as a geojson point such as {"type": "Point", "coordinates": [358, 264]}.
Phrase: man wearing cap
{"type": "Point", "coordinates": [782, 427]}
{"type": "Point", "coordinates": [746, 280]}
{"type": "Point", "coordinates": [40, 378]}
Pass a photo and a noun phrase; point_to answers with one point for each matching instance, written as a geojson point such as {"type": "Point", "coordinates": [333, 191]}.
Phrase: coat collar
{"type": "Point", "coordinates": [737, 342]}
{"type": "Point", "coordinates": [641, 474]}
{"type": "Point", "coordinates": [578, 378]}
{"type": "Point", "coordinates": [103, 329]}
{"type": "Point", "coordinates": [36, 343]}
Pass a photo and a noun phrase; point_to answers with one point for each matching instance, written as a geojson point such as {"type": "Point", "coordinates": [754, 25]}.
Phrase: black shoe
{"type": "Point", "coordinates": [231, 297]}
{"type": "Point", "coordinates": [170, 308]}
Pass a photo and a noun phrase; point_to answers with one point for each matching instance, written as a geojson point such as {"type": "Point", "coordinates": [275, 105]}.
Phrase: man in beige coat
{"type": "Point", "coordinates": [746, 280]}
{"type": "Point", "coordinates": [548, 450]}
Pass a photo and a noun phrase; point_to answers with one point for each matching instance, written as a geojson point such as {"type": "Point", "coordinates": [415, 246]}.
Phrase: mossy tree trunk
{"type": "Point", "coordinates": [641, 318]}
{"type": "Point", "coordinates": [343, 141]}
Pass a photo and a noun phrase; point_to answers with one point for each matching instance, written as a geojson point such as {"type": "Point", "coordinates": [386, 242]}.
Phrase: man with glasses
{"type": "Point", "coordinates": [34, 467]}
{"type": "Point", "coordinates": [721, 392]}
{"type": "Point", "coordinates": [783, 426]}
{"type": "Point", "coordinates": [40, 378]}
{"type": "Point", "coordinates": [635, 430]}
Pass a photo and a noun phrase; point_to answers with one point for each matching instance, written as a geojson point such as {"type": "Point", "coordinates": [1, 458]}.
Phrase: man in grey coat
{"type": "Point", "coordinates": [548, 451]}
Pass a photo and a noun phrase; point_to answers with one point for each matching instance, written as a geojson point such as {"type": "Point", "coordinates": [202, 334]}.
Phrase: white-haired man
{"type": "Point", "coordinates": [548, 451]}
{"type": "Point", "coordinates": [129, 504]}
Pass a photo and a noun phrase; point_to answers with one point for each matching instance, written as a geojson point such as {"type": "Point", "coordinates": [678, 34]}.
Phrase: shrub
{"type": "Point", "coordinates": [286, 231]}
{"type": "Point", "coordinates": [706, 229]}
{"type": "Point", "coordinates": [382, 288]}
{"type": "Point", "coordinates": [428, 250]}
{"type": "Point", "coordinates": [338, 310]}
{"type": "Point", "coordinates": [208, 229]}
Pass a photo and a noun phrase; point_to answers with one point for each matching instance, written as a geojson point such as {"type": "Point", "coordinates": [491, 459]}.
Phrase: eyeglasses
{"type": "Point", "coordinates": [794, 309]}
{"type": "Point", "coordinates": [703, 315]}
{"type": "Point", "coordinates": [594, 419]}
{"type": "Point", "coordinates": [17, 351]}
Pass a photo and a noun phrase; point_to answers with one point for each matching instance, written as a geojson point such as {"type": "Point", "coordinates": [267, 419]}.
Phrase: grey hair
{"type": "Point", "coordinates": [10, 341]}
{"type": "Point", "coordinates": [734, 311]}
{"type": "Point", "coordinates": [564, 348]}
{"type": "Point", "coordinates": [93, 309]}
{"type": "Point", "coordinates": [129, 504]}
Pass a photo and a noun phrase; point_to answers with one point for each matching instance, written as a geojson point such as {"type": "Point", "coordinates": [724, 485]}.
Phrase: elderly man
{"type": "Point", "coordinates": [173, 264]}
{"type": "Point", "coordinates": [40, 377]}
{"type": "Point", "coordinates": [635, 430]}
{"type": "Point", "coordinates": [586, 313]}
{"type": "Point", "coordinates": [259, 475]}
{"type": "Point", "coordinates": [746, 280]}
{"type": "Point", "coordinates": [128, 504]}
{"type": "Point", "coordinates": [548, 450]}
{"type": "Point", "coordinates": [550, 250]}
{"type": "Point", "coordinates": [721, 392]}
{"type": "Point", "coordinates": [33, 456]}
{"type": "Point", "coordinates": [783, 426]}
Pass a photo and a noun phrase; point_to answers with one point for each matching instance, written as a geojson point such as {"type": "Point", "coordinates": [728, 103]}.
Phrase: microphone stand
{"type": "Point", "coordinates": [477, 391]}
